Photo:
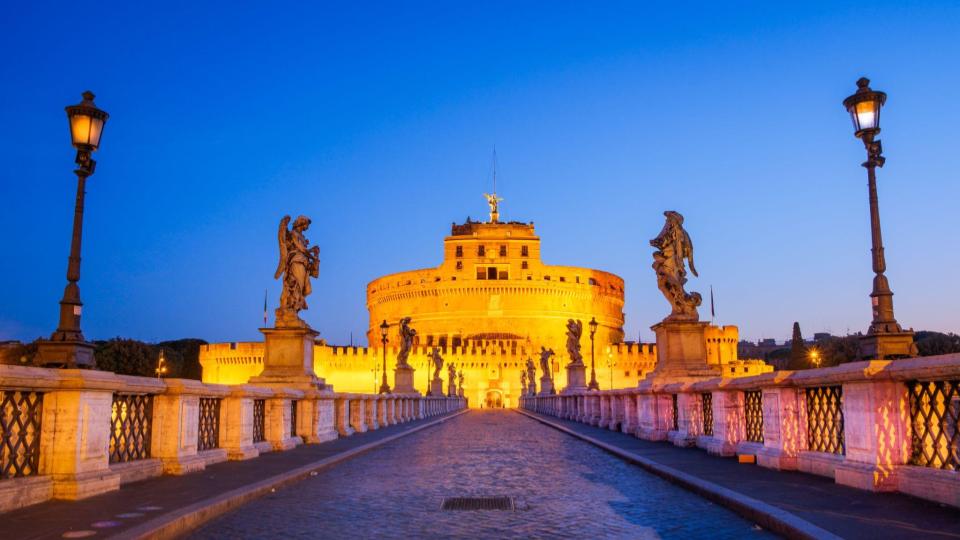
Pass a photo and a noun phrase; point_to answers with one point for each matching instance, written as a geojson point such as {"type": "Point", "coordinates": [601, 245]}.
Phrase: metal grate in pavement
{"type": "Point", "coordinates": [478, 503]}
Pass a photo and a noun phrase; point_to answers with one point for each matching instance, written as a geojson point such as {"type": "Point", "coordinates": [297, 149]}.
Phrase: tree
{"type": "Point", "coordinates": [798, 351]}
{"type": "Point", "coordinates": [933, 343]}
{"type": "Point", "coordinates": [126, 357]}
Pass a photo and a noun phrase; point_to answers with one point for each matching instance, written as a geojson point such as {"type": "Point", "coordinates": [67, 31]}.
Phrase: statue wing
{"type": "Point", "coordinates": [282, 240]}
{"type": "Point", "coordinates": [688, 252]}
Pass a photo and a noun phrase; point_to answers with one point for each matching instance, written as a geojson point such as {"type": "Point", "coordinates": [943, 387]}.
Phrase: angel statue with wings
{"type": "Point", "coordinates": [298, 263]}
{"type": "Point", "coordinates": [494, 202]}
{"type": "Point", "coordinates": [545, 355]}
{"type": "Point", "coordinates": [674, 248]}
{"type": "Point", "coordinates": [574, 331]}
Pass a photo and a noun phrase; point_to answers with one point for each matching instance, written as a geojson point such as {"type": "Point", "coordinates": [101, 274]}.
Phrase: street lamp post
{"type": "Point", "coordinates": [815, 357]}
{"type": "Point", "coordinates": [610, 364]}
{"type": "Point", "coordinates": [384, 387]}
{"type": "Point", "coordinates": [885, 337]}
{"type": "Point", "coordinates": [593, 363]}
{"type": "Point", "coordinates": [67, 346]}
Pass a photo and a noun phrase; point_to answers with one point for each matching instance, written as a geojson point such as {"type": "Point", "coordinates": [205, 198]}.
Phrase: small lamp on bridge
{"type": "Point", "coordinates": [384, 328]}
{"type": "Point", "coordinates": [86, 126]}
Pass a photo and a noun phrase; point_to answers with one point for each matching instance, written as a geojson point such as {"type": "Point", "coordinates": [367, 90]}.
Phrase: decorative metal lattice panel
{"type": "Point", "coordinates": [208, 431]}
{"type": "Point", "coordinates": [676, 420]}
{"type": "Point", "coordinates": [20, 417]}
{"type": "Point", "coordinates": [477, 503]}
{"type": "Point", "coordinates": [935, 424]}
{"type": "Point", "coordinates": [706, 401]}
{"type": "Point", "coordinates": [259, 416]}
{"type": "Point", "coordinates": [130, 425]}
{"type": "Point", "coordinates": [753, 412]}
{"type": "Point", "coordinates": [825, 419]}
{"type": "Point", "coordinates": [293, 417]}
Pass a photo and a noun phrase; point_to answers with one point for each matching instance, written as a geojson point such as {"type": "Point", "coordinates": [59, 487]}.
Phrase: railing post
{"type": "Point", "coordinates": [176, 424]}
{"type": "Point", "coordinates": [75, 436]}
{"type": "Point", "coordinates": [877, 434]}
{"type": "Point", "coordinates": [358, 413]}
{"type": "Point", "coordinates": [728, 422]}
{"type": "Point", "coordinates": [277, 420]}
{"type": "Point", "coordinates": [629, 424]}
{"type": "Point", "coordinates": [687, 412]}
{"type": "Point", "coordinates": [371, 412]}
{"type": "Point", "coordinates": [342, 418]}
{"type": "Point", "coordinates": [656, 415]}
{"type": "Point", "coordinates": [783, 435]}
{"type": "Point", "coordinates": [236, 424]}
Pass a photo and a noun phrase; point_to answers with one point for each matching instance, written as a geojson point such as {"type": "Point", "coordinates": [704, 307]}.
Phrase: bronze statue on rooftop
{"type": "Point", "coordinates": [674, 248]}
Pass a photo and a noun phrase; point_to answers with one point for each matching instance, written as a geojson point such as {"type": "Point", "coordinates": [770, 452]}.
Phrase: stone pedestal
{"type": "Point", "coordinates": [436, 388]}
{"type": "Point", "coordinates": [288, 358]}
{"type": "Point", "coordinates": [888, 345]}
{"type": "Point", "coordinates": [681, 353]}
{"type": "Point", "coordinates": [72, 354]}
{"type": "Point", "coordinates": [403, 380]}
{"type": "Point", "coordinates": [576, 378]}
{"type": "Point", "coordinates": [546, 386]}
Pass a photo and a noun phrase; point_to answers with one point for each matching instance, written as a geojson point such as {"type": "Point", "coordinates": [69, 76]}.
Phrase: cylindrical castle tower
{"type": "Point", "coordinates": [492, 284]}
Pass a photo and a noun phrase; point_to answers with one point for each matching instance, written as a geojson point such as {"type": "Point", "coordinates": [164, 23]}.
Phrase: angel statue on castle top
{"type": "Point", "coordinates": [298, 263]}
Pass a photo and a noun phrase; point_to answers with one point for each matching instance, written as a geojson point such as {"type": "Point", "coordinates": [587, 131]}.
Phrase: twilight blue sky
{"type": "Point", "coordinates": [378, 120]}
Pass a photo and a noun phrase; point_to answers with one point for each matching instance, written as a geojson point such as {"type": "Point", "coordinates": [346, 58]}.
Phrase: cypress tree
{"type": "Point", "coordinates": [798, 351]}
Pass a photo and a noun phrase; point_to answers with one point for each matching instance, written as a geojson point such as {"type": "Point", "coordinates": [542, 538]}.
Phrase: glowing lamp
{"type": "Point", "coordinates": [384, 327]}
{"type": "Point", "coordinates": [593, 325]}
{"type": "Point", "coordinates": [864, 108]}
{"type": "Point", "coordinates": [86, 123]}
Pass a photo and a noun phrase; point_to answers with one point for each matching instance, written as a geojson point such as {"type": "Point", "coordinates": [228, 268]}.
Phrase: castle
{"type": "Point", "coordinates": [487, 308]}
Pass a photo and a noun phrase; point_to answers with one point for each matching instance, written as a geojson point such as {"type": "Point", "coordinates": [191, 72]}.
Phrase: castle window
{"type": "Point", "coordinates": [459, 265]}
{"type": "Point", "coordinates": [592, 281]}
{"type": "Point", "coordinates": [459, 251]}
{"type": "Point", "coordinates": [481, 272]}
{"type": "Point", "coordinates": [562, 278]}
{"type": "Point", "coordinates": [524, 251]}
{"type": "Point", "coordinates": [578, 279]}
{"type": "Point", "coordinates": [546, 278]}
{"type": "Point", "coordinates": [502, 274]}
{"type": "Point", "coordinates": [524, 265]}
{"type": "Point", "coordinates": [529, 277]}
{"type": "Point", "coordinates": [492, 273]}
{"type": "Point", "coordinates": [481, 251]}
{"type": "Point", "coordinates": [503, 251]}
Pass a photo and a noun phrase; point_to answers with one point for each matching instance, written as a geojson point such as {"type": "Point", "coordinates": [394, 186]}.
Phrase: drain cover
{"type": "Point", "coordinates": [477, 503]}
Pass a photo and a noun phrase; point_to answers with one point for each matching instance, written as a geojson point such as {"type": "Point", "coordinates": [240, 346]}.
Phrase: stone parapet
{"type": "Point", "coordinates": [170, 426]}
{"type": "Point", "coordinates": [875, 425]}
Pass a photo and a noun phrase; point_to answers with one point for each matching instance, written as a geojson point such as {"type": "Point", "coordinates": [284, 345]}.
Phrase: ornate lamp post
{"type": "Point", "coordinates": [594, 385]}
{"type": "Point", "coordinates": [885, 337]}
{"type": "Point", "coordinates": [610, 364]}
{"type": "Point", "coordinates": [67, 346]}
{"type": "Point", "coordinates": [384, 327]}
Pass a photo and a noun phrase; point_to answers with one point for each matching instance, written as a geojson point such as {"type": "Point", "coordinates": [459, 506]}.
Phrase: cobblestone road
{"type": "Point", "coordinates": [564, 488]}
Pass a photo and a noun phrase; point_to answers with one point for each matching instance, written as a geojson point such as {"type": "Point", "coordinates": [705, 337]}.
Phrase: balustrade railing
{"type": "Point", "coordinates": [131, 423]}
{"type": "Point", "coordinates": [208, 428]}
{"type": "Point", "coordinates": [293, 418]}
{"type": "Point", "coordinates": [706, 404]}
{"type": "Point", "coordinates": [259, 420]}
{"type": "Point", "coordinates": [675, 412]}
{"type": "Point", "coordinates": [20, 421]}
{"type": "Point", "coordinates": [935, 423]}
{"type": "Point", "coordinates": [825, 419]}
{"type": "Point", "coordinates": [753, 415]}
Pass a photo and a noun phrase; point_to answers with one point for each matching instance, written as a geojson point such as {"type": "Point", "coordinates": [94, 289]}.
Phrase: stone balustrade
{"type": "Point", "coordinates": [876, 425]}
{"type": "Point", "coordinates": [71, 434]}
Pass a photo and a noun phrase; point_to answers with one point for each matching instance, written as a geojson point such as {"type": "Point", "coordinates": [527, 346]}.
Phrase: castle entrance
{"type": "Point", "coordinates": [494, 399]}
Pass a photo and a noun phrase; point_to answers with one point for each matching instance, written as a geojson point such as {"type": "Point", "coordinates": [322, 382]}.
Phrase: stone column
{"type": "Point", "coordinates": [603, 418]}
{"type": "Point", "coordinates": [358, 413]}
{"type": "Point", "coordinates": [687, 412]}
{"type": "Point", "coordinates": [236, 424]}
{"type": "Point", "coordinates": [176, 418]}
{"type": "Point", "coordinates": [616, 411]}
{"type": "Point", "coordinates": [371, 412]}
{"type": "Point", "coordinates": [74, 442]}
{"type": "Point", "coordinates": [729, 426]}
{"type": "Point", "coordinates": [655, 415]}
{"type": "Point", "coordinates": [629, 424]}
{"type": "Point", "coordinates": [277, 422]}
{"type": "Point", "coordinates": [382, 411]}
{"type": "Point", "coordinates": [783, 437]}
{"type": "Point", "coordinates": [316, 417]}
{"type": "Point", "coordinates": [876, 433]}
{"type": "Point", "coordinates": [342, 404]}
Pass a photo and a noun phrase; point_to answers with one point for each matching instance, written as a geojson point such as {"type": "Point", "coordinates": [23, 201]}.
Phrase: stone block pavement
{"type": "Point", "coordinates": [126, 511]}
{"type": "Point", "coordinates": [841, 510]}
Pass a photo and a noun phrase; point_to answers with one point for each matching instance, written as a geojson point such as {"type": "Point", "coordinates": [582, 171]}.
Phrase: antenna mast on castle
{"type": "Point", "coordinates": [492, 198]}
